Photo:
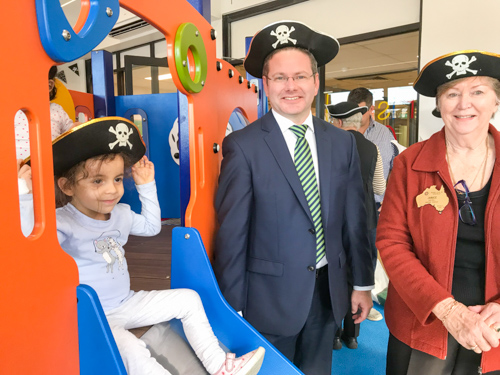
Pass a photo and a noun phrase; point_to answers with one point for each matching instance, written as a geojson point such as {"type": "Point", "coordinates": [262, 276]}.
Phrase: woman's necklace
{"type": "Point", "coordinates": [478, 170]}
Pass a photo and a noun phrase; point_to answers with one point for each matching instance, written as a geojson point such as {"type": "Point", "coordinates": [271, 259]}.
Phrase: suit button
{"type": "Point", "coordinates": [311, 268]}
{"type": "Point", "coordinates": [312, 231]}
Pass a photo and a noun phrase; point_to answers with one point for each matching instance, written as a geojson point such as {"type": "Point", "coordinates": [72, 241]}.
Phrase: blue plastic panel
{"type": "Point", "coordinates": [103, 85]}
{"type": "Point", "coordinates": [98, 351]}
{"type": "Point", "coordinates": [52, 23]}
{"type": "Point", "coordinates": [160, 111]}
{"type": "Point", "coordinates": [191, 269]}
{"type": "Point", "coordinates": [262, 107]}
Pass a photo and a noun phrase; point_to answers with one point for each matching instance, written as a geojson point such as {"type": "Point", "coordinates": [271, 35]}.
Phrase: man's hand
{"type": "Point", "coordinates": [143, 171]}
{"type": "Point", "coordinates": [361, 302]}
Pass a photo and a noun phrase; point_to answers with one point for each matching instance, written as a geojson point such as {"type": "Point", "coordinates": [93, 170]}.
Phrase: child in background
{"type": "Point", "coordinates": [92, 227]}
{"type": "Point", "coordinates": [59, 121]}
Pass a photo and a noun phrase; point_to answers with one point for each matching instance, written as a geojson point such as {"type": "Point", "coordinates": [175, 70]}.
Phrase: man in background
{"type": "Point", "coordinates": [381, 136]}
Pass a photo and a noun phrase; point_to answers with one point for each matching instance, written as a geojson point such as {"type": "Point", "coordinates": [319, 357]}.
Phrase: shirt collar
{"type": "Point", "coordinates": [285, 123]}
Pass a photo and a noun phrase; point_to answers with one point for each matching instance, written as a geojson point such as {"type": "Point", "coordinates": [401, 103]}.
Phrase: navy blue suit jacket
{"type": "Point", "coordinates": [265, 250]}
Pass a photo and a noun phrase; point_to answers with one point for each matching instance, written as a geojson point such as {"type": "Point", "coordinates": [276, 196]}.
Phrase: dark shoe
{"type": "Point", "coordinates": [350, 342]}
{"type": "Point", "coordinates": [337, 343]}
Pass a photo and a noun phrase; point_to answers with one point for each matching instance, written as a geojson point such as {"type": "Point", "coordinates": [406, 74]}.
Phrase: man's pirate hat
{"type": "Point", "coordinates": [345, 109]}
{"type": "Point", "coordinates": [105, 135]}
{"type": "Point", "coordinates": [456, 65]}
{"type": "Point", "coordinates": [288, 34]}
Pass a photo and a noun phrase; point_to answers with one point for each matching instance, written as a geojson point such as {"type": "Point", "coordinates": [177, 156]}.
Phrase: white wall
{"type": "Point", "coordinates": [75, 78]}
{"type": "Point", "coordinates": [455, 25]}
{"type": "Point", "coordinates": [338, 18]}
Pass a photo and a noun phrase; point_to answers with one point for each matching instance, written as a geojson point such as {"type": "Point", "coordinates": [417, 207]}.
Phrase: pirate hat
{"type": "Point", "coordinates": [345, 109]}
{"type": "Point", "coordinates": [288, 34]}
{"type": "Point", "coordinates": [101, 136]}
{"type": "Point", "coordinates": [456, 65]}
{"type": "Point", "coordinates": [436, 113]}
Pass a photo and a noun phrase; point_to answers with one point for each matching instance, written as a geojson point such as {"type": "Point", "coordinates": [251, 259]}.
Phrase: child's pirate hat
{"type": "Point", "coordinates": [288, 34]}
{"type": "Point", "coordinates": [105, 135]}
{"type": "Point", "coordinates": [456, 65]}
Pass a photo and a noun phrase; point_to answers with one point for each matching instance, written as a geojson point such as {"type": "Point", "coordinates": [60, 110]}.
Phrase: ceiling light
{"type": "Point", "coordinates": [161, 77]}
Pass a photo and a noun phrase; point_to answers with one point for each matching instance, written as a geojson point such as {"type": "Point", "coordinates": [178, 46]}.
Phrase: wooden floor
{"type": "Point", "coordinates": [149, 260]}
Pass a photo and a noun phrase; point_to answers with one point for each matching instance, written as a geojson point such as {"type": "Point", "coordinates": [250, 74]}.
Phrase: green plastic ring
{"type": "Point", "coordinates": [188, 38]}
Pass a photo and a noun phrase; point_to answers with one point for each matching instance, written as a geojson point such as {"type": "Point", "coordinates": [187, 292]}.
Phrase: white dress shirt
{"type": "Point", "coordinates": [290, 139]}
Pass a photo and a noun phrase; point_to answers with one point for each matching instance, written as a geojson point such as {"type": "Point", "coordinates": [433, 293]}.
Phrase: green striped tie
{"type": "Point", "coordinates": [305, 169]}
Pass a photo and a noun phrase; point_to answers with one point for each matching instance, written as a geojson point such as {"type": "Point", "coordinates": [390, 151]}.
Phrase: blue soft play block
{"type": "Point", "coordinates": [98, 351]}
{"type": "Point", "coordinates": [191, 269]}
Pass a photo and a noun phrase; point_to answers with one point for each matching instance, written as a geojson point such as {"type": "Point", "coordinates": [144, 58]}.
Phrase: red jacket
{"type": "Point", "coordinates": [417, 246]}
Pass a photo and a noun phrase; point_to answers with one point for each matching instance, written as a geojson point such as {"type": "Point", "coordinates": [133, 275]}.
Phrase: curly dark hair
{"type": "Point", "coordinates": [75, 172]}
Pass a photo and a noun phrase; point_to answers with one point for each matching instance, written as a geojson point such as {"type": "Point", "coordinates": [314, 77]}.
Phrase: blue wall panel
{"type": "Point", "coordinates": [161, 112]}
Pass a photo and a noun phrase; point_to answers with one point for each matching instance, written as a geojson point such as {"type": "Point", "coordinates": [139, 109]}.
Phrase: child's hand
{"type": "Point", "coordinates": [24, 173]}
{"type": "Point", "coordinates": [143, 171]}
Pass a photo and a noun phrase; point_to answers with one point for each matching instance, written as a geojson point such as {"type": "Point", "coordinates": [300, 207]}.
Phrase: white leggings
{"type": "Point", "coordinates": [148, 308]}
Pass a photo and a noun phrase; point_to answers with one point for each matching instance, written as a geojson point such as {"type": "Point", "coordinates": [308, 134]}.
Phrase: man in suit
{"type": "Point", "coordinates": [290, 207]}
{"type": "Point", "coordinates": [348, 116]}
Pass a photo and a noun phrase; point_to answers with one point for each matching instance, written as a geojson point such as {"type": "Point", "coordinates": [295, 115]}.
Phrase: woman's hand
{"type": "Point", "coordinates": [491, 315]}
{"type": "Point", "coordinates": [143, 171]}
{"type": "Point", "coordinates": [466, 326]}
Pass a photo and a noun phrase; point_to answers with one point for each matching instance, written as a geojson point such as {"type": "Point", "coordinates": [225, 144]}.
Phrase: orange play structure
{"type": "Point", "coordinates": [38, 280]}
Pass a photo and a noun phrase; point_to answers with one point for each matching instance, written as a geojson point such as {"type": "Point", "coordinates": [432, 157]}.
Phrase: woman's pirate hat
{"type": "Point", "coordinates": [456, 65]}
{"type": "Point", "coordinates": [288, 34]}
{"type": "Point", "coordinates": [105, 135]}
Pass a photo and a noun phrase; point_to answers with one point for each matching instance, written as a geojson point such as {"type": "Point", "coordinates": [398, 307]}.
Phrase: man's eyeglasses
{"type": "Point", "coordinates": [281, 80]}
{"type": "Point", "coordinates": [465, 212]}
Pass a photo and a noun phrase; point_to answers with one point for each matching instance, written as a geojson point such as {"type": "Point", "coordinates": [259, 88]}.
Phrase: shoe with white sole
{"type": "Point", "coordinates": [374, 315]}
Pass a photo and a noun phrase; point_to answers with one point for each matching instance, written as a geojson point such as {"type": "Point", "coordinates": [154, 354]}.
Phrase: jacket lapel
{"type": "Point", "coordinates": [277, 145]}
{"type": "Point", "coordinates": [324, 149]}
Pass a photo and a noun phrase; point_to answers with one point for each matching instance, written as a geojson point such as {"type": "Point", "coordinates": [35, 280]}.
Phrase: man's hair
{"type": "Point", "coordinates": [71, 174]}
{"type": "Point", "coordinates": [314, 64]}
{"type": "Point", "coordinates": [359, 95]}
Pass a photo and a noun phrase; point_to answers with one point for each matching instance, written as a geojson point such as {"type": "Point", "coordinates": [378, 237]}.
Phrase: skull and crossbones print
{"type": "Point", "coordinates": [460, 65]}
{"type": "Point", "coordinates": [283, 34]}
{"type": "Point", "coordinates": [122, 133]}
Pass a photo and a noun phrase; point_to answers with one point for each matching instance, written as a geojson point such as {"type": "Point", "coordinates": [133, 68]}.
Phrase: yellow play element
{"type": "Point", "coordinates": [63, 98]}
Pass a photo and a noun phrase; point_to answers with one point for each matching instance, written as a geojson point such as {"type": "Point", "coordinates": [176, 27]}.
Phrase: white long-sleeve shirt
{"type": "Point", "coordinates": [97, 245]}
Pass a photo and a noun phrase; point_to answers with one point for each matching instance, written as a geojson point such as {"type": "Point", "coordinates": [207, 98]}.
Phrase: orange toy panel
{"type": "Point", "coordinates": [84, 103]}
{"type": "Point", "coordinates": [38, 280]}
{"type": "Point", "coordinates": [209, 109]}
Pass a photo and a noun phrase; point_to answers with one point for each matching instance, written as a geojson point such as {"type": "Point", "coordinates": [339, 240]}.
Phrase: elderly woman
{"type": "Point", "coordinates": [437, 235]}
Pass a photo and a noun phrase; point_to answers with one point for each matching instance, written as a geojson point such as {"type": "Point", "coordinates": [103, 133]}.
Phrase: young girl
{"type": "Point", "coordinates": [92, 227]}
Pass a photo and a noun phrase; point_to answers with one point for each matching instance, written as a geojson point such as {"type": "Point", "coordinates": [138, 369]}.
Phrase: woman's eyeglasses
{"type": "Point", "coordinates": [465, 212]}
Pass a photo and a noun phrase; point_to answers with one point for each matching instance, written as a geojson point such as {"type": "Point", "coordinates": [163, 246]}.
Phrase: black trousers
{"type": "Point", "coordinates": [311, 349]}
{"type": "Point", "coordinates": [403, 360]}
{"type": "Point", "coordinates": [350, 328]}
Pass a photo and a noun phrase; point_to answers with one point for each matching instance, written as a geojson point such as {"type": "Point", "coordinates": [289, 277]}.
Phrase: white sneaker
{"type": "Point", "coordinates": [374, 315]}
